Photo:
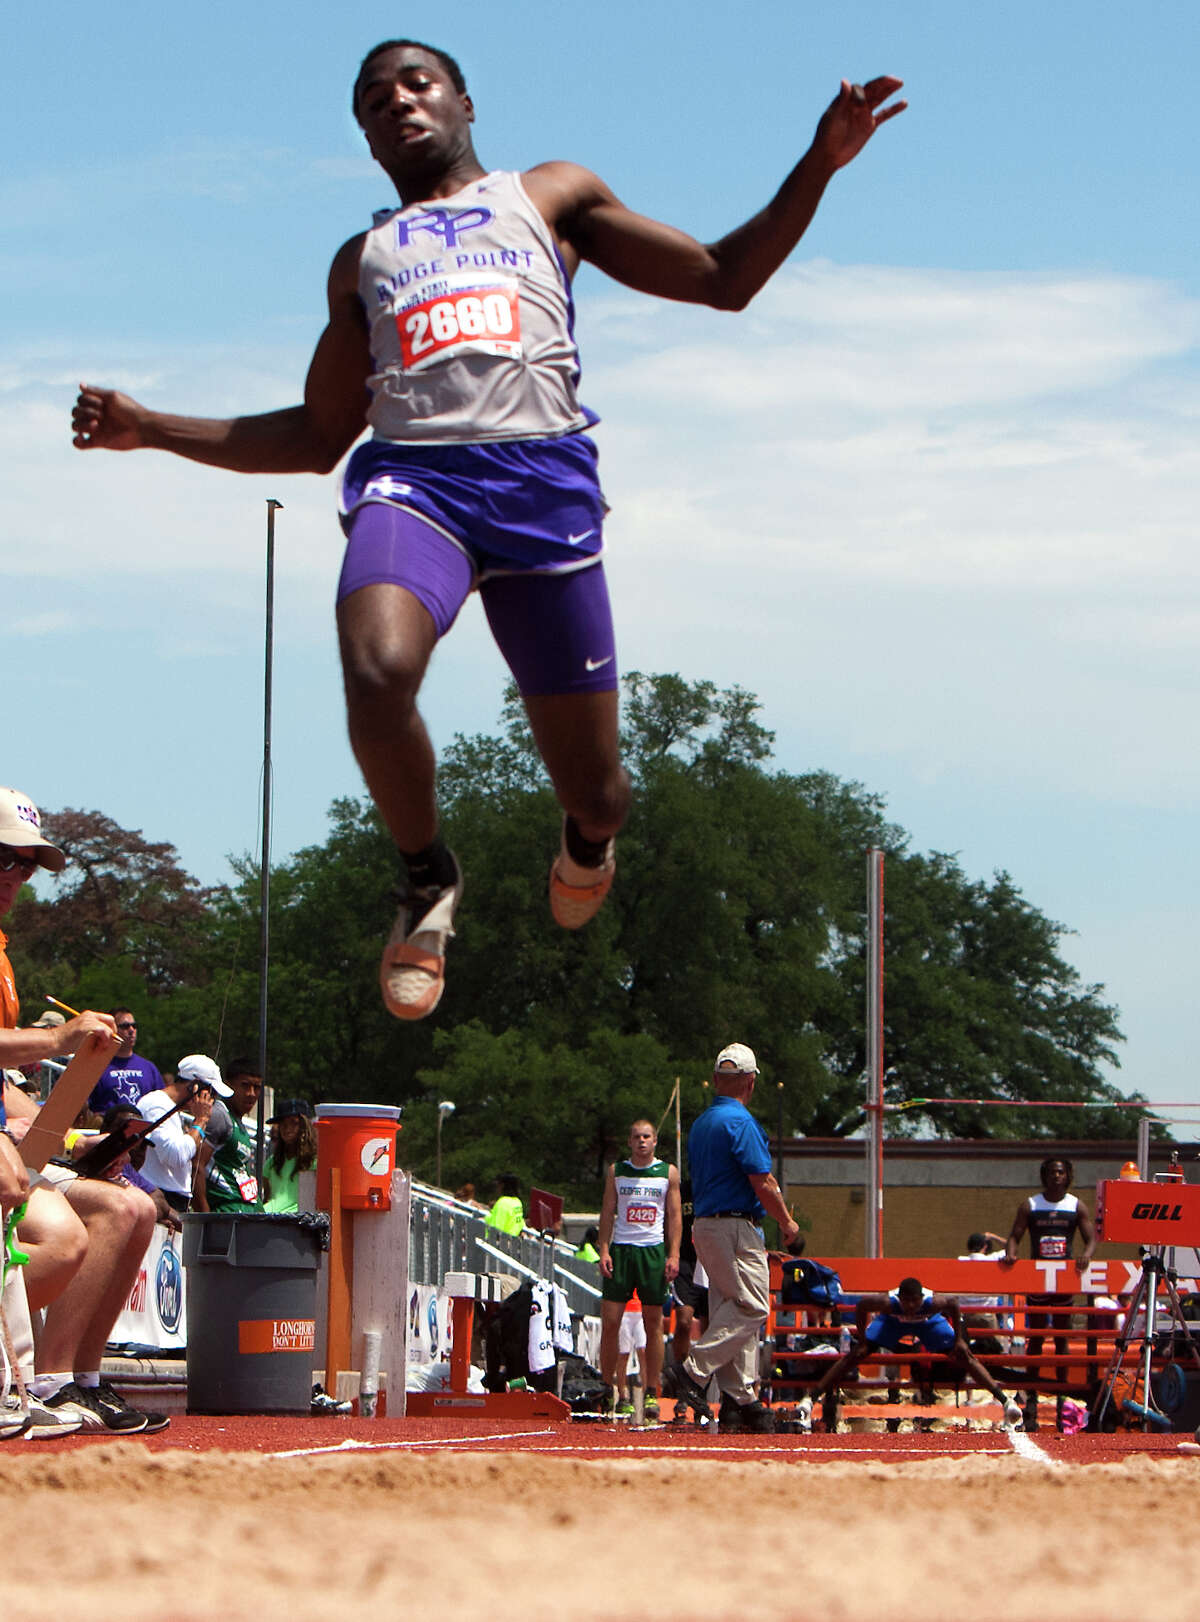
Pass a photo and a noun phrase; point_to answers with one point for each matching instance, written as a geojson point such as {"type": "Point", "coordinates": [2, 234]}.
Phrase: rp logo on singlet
{"type": "Point", "coordinates": [447, 224]}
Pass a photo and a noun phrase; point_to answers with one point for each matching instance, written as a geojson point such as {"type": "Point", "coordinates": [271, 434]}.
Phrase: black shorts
{"type": "Point", "coordinates": [688, 1293]}
{"type": "Point", "coordinates": [1059, 1321]}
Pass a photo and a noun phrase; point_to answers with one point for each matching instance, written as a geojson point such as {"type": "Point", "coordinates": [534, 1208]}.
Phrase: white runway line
{"type": "Point", "coordinates": [609, 1454]}
{"type": "Point", "coordinates": [1026, 1448]}
{"type": "Point", "coordinates": [350, 1445]}
{"type": "Point", "coordinates": [800, 1455]}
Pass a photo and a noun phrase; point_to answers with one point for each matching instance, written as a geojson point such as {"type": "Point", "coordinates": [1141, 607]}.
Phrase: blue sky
{"type": "Point", "coordinates": [931, 498]}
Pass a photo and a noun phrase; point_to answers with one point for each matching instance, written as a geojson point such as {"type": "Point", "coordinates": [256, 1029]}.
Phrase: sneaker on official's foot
{"type": "Point", "coordinates": [412, 970]}
{"type": "Point", "coordinates": [14, 1421]}
{"type": "Point", "coordinates": [577, 892]}
{"type": "Point", "coordinates": [745, 1418]}
{"type": "Point", "coordinates": [110, 1401]}
{"type": "Point", "coordinates": [44, 1424]}
{"type": "Point", "coordinates": [94, 1414]}
{"type": "Point", "coordinates": [689, 1390]}
{"type": "Point", "coordinates": [728, 1417]}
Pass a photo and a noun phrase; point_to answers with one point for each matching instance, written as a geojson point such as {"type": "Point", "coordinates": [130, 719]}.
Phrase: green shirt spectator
{"type": "Point", "coordinates": [292, 1149]}
{"type": "Point", "coordinates": [508, 1214]}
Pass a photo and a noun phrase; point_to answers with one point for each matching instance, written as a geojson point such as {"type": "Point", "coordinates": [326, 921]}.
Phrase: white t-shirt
{"type": "Point", "coordinates": [170, 1152]}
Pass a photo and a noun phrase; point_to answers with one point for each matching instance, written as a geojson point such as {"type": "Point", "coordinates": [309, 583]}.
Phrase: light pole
{"type": "Point", "coordinates": [779, 1139]}
{"type": "Point", "coordinates": [264, 876]}
{"type": "Point", "coordinates": [444, 1108]}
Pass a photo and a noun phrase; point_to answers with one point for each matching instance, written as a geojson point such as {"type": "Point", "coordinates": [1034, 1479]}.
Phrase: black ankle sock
{"type": "Point", "coordinates": [431, 868]}
{"type": "Point", "coordinates": [587, 852]}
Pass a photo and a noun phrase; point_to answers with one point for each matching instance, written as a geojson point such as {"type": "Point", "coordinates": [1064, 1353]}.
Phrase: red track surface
{"type": "Point", "coordinates": [267, 1434]}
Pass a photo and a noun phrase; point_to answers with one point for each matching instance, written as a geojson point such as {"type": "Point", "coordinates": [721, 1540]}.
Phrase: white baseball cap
{"type": "Point", "coordinates": [738, 1057]}
{"type": "Point", "coordinates": [21, 824]}
{"type": "Point", "coordinates": [199, 1067]}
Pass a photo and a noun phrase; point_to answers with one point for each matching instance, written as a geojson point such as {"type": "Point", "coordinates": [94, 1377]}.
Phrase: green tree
{"type": "Point", "coordinates": [120, 897]}
{"type": "Point", "coordinates": [979, 1003]}
{"type": "Point", "coordinates": [554, 1116]}
{"type": "Point", "coordinates": [738, 914]}
{"type": "Point", "coordinates": [124, 924]}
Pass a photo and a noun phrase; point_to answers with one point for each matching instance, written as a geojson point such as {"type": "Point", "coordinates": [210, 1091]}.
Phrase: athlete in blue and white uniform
{"type": "Point", "coordinates": [1052, 1219]}
{"type": "Point", "coordinates": [910, 1311]}
{"type": "Point", "coordinates": [450, 335]}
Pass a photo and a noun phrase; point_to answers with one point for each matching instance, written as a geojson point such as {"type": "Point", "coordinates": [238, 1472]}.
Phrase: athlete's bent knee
{"type": "Point", "coordinates": [387, 679]}
{"type": "Point", "coordinates": [600, 804]}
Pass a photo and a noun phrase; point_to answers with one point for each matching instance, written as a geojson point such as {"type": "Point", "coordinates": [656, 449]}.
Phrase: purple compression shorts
{"type": "Point", "coordinates": [520, 519]}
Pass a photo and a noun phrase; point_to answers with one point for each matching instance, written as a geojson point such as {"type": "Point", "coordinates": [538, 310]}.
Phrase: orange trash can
{"type": "Point", "coordinates": [359, 1139]}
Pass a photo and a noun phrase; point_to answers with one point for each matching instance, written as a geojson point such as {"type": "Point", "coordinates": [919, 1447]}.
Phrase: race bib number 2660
{"type": "Point", "coordinates": [458, 313]}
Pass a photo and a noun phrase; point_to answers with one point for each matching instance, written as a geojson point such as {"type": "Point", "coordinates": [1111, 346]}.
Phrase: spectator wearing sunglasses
{"type": "Point", "coordinates": [129, 1077]}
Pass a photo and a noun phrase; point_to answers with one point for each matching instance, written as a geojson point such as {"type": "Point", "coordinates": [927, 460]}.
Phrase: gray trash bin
{"type": "Point", "coordinates": [251, 1309]}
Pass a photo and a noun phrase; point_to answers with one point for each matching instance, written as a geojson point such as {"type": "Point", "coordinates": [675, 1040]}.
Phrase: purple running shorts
{"type": "Point", "coordinates": [522, 519]}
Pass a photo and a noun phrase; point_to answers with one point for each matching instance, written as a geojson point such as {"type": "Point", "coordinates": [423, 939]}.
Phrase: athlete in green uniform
{"type": "Point", "coordinates": [640, 1224]}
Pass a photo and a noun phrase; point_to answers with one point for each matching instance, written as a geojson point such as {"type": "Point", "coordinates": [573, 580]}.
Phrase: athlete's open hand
{"type": "Point", "coordinates": [105, 420]}
{"type": "Point", "coordinates": [853, 116]}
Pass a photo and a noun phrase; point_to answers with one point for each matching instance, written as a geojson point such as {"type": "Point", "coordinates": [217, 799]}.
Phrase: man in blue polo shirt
{"type": "Point", "coordinates": [732, 1189]}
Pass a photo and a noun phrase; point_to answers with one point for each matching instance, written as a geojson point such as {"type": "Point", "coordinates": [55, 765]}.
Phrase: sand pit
{"type": "Point", "coordinates": [220, 1537]}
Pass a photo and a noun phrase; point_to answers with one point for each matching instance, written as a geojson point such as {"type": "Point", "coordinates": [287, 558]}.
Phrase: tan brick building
{"type": "Point", "coordinates": [936, 1192]}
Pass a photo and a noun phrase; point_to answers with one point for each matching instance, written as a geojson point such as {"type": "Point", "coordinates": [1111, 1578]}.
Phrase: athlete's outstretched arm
{"type": "Point", "coordinates": [657, 258]}
{"type": "Point", "coordinates": [308, 438]}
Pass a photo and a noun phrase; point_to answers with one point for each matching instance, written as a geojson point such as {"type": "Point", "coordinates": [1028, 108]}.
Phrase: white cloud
{"type": "Point", "coordinates": [878, 342]}
{"type": "Point", "coordinates": [943, 526]}
{"type": "Point", "coordinates": [48, 623]}
{"type": "Point", "coordinates": [229, 170]}
{"type": "Point", "coordinates": [970, 496]}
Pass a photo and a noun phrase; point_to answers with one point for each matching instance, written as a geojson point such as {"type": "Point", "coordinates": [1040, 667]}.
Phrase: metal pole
{"type": "Point", "coordinates": [678, 1127]}
{"type": "Point", "coordinates": [1143, 1148]}
{"type": "Point", "coordinates": [264, 887]}
{"type": "Point", "coordinates": [779, 1139]}
{"type": "Point", "coordinates": [874, 1045]}
{"type": "Point", "coordinates": [446, 1107]}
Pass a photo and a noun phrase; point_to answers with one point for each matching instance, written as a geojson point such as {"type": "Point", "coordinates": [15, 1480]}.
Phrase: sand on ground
{"type": "Point", "coordinates": [179, 1537]}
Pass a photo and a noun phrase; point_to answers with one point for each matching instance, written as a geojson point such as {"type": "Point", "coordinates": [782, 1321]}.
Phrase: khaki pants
{"type": "Point", "coordinates": [734, 1256]}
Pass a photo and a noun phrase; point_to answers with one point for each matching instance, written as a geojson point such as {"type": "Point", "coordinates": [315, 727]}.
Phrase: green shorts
{"type": "Point", "coordinates": [637, 1267]}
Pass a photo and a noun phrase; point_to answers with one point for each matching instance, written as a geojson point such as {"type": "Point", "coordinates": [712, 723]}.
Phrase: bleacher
{"type": "Point", "coordinates": [448, 1236]}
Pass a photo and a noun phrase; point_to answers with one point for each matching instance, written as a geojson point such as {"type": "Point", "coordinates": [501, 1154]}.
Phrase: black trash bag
{"type": "Point", "coordinates": [582, 1385]}
{"type": "Point", "coordinates": [506, 1345]}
